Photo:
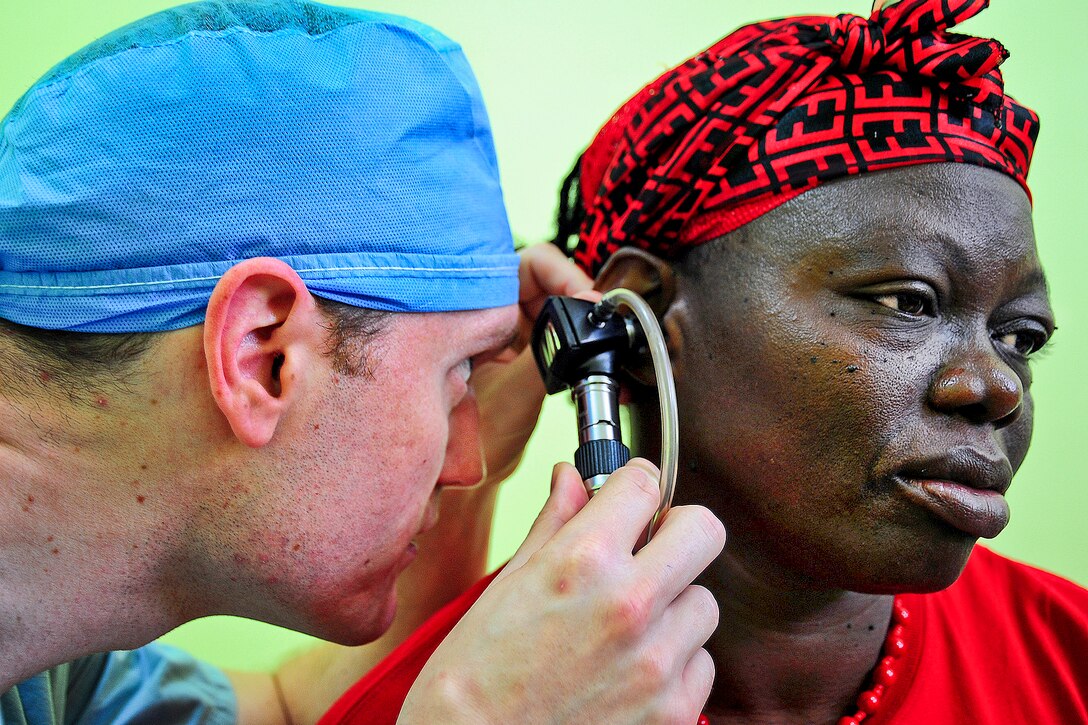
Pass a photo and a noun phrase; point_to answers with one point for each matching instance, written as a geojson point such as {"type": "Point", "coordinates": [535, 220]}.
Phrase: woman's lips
{"type": "Point", "coordinates": [982, 513]}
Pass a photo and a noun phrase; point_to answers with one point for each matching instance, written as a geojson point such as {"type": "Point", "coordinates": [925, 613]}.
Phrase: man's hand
{"type": "Point", "coordinates": [508, 389]}
{"type": "Point", "coordinates": [579, 629]}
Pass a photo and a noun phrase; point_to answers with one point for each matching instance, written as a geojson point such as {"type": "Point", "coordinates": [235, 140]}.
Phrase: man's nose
{"type": "Point", "coordinates": [978, 385]}
{"type": "Point", "coordinates": [464, 463]}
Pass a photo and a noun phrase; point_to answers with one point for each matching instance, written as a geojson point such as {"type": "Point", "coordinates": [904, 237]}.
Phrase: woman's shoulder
{"type": "Point", "coordinates": [1011, 609]}
{"type": "Point", "coordinates": [991, 574]}
{"type": "Point", "coordinates": [1001, 622]}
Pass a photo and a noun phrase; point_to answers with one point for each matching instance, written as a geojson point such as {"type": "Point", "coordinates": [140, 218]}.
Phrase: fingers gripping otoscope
{"type": "Point", "coordinates": [583, 346]}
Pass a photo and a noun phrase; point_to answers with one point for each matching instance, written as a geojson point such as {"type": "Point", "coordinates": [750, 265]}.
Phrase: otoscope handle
{"type": "Point", "coordinates": [596, 459]}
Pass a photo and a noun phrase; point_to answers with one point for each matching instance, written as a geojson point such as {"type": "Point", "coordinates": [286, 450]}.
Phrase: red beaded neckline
{"type": "Point", "coordinates": [885, 674]}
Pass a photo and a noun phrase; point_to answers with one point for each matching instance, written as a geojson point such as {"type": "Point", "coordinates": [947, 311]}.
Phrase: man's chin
{"type": "Point", "coordinates": [358, 621]}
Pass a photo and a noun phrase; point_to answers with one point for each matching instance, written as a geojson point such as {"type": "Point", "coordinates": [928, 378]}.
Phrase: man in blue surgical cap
{"type": "Point", "coordinates": [250, 255]}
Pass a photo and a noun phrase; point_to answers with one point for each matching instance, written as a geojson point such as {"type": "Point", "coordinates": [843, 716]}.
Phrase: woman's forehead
{"type": "Point", "coordinates": [956, 209]}
{"type": "Point", "coordinates": [958, 227]}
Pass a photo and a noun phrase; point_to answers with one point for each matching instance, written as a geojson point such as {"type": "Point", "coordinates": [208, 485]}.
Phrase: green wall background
{"type": "Point", "coordinates": [553, 71]}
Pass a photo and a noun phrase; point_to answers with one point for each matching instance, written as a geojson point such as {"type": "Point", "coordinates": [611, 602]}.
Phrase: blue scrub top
{"type": "Point", "coordinates": [155, 684]}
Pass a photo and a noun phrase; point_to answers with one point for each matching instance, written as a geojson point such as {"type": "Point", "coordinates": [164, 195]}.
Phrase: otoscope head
{"type": "Point", "coordinates": [574, 339]}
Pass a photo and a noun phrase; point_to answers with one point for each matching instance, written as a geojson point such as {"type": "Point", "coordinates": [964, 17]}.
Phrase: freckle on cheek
{"type": "Point", "coordinates": [140, 499]}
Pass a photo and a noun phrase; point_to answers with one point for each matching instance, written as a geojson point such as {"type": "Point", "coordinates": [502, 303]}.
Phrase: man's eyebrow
{"type": "Point", "coordinates": [507, 340]}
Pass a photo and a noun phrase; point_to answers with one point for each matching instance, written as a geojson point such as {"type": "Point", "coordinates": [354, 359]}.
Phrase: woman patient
{"type": "Point", "coordinates": [831, 219]}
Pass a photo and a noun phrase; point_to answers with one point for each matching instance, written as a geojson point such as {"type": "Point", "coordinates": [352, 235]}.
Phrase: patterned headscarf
{"type": "Point", "coordinates": [778, 107]}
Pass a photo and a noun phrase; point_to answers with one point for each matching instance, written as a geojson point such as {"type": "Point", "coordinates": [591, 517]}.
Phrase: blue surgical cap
{"type": "Point", "coordinates": [353, 145]}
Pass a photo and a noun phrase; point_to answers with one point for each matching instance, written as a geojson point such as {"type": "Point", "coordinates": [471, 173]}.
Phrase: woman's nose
{"type": "Point", "coordinates": [464, 463]}
{"type": "Point", "coordinates": [979, 386]}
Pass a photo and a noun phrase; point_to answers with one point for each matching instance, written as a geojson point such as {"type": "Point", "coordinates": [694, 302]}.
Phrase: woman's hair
{"type": "Point", "coordinates": [571, 211]}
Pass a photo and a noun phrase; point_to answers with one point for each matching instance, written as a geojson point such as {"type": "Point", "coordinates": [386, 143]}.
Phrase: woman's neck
{"type": "Point", "coordinates": [787, 655]}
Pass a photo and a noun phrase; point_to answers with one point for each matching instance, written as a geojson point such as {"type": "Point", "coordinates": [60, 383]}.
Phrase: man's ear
{"type": "Point", "coordinates": [260, 331]}
{"type": "Point", "coordinates": [654, 280]}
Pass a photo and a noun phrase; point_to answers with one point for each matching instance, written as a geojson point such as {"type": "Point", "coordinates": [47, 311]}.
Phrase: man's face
{"type": "Point", "coordinates": [854, 384]}
{"type": "Point", "coordinates": [359, 477]}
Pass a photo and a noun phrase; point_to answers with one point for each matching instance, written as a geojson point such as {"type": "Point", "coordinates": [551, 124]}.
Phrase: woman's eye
{"type": "Point", "coordinates": [1025, 342]}
{"type": "Point", "coordinates": [911, 303]}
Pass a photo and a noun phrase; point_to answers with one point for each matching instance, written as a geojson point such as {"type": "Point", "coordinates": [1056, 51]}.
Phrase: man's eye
{"type": "Point", "coordinates": [911, 303]}
{"type": "Point", "coordinates": [465, 369]}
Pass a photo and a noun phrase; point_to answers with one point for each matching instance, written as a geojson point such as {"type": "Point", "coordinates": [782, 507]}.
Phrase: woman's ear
{"type": "Point", "coordinates": [649, 276]}
{"type": "Point", "coordinates": [261, 333]}
{"type": "Point", "coordinates": [654, 280]}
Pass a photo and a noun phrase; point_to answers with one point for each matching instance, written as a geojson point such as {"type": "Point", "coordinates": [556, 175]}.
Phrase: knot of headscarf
{"type": "Point", "coordinates": [860, 42]}
{"type": "Point", "coordinates": [910, 37]}
{"type": "Point", "coordinates": [778, 107]}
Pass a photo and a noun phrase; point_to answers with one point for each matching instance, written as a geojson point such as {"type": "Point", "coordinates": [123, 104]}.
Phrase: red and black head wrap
{"type": "Point", "coordinates": [778, 107]}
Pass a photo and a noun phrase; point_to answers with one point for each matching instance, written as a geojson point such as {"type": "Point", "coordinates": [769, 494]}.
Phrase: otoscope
{"type": "Point", "coordinates": [583, 346]}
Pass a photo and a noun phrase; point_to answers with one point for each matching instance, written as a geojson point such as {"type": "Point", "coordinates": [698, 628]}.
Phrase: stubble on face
{"type": "Point", "coordinates": [353, 476]}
